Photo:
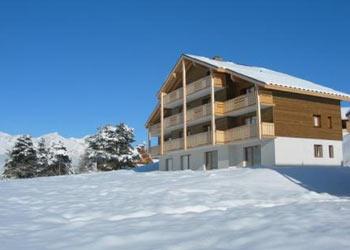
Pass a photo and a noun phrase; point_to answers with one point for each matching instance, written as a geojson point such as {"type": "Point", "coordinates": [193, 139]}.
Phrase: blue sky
{"type": "Point", "coordinates": [71, 66]}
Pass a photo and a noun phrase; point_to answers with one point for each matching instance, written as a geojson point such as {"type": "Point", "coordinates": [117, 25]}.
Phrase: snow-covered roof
{"type": "Point", "coordinates": [345, 113]}
{"type": "Point", "coordinates": [269, 77]}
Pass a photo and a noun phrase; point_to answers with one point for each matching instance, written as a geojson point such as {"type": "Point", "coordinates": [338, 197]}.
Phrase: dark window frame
{"type": "Point", "coordinates": [330, 122]}
{"type": "Point", "coordinates": [318, 151]}
{"type": "Point", "coordinates": [331, 151]}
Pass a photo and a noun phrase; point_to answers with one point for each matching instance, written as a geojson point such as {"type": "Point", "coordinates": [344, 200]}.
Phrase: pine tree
{"type": "Point", "coordinates": [111, 149]}
{"type": "Point", "coordinates": [22, 159]}
{"type": "Point", "coordinates": [43, 158]}
{"type": "Point", "coordinates": [59, 162]}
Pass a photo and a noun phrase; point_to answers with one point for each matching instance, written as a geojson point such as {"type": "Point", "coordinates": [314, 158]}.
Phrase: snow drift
{"type": "Point", "coordinates": [285, 208]}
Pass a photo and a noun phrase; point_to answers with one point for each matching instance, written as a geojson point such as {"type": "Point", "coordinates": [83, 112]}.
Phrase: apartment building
{"type": "Point", "coordinates": [213, 114]}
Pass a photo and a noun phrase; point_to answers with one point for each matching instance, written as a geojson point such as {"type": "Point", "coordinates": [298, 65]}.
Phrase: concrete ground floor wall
{"type": "Point", "coordinates": [279, 151]}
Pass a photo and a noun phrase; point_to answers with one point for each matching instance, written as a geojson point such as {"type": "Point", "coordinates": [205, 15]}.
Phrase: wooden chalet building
{"type": "Point", "coordinates": [213, 114]}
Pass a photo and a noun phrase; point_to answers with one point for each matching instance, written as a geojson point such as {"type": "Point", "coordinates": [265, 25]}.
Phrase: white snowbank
{"type": "Point", "coordinates": [223, 209]}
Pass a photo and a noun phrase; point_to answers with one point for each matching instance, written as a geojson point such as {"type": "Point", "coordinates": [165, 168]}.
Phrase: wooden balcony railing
{"type": "Point", "coordinates": [199, 112]}
{"type": "Point", "coordinates": [173, 96]}
{"type": "Point", "coordinates": [244, 132]}
{"type": "Point", "coordinates": [154, 151]}
{"type": "Point", "coordinates": [240, 102]}
{"type": "Point", "coordinates": [203, 83]}
{"type": "Point", "coordinates": [240, 133]}
{"type": "Point", "coordinates": [173, 120]}
{"type": "Point", "coordinates": [199, 139]}
{"type": "Point", "coordinates": [173, 144]}
{"type": "Point", "coordinates": [267, 129]}
{"type": "Point", "coordinates": [198, 85]}
{"type": "Point", "coordinates": [155, 129]}
{"type": "Point", "coordinates": [204, 110]}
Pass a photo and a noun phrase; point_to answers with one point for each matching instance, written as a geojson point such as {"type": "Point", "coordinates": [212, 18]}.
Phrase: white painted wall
{"type": "Point", "coordinates": [280, 151]}
{"type": "Point", "coordinates": [197, 157]}
{"type": "Point", "coordinates": [268, 153]}
{"type": "Point", "coordinates": [300, 151]}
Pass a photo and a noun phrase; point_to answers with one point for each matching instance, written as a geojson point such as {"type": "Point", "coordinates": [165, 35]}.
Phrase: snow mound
{"type": "Point", "coordinates": [223, 209]}
{"type": "Point", "coordinates": [75, 146]}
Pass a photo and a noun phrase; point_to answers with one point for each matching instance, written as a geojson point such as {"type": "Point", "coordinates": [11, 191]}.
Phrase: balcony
{"type": "Point", "coordinates": [202, 113]}
{"type": "Point", "coordinates": [194, 90]}
{"type": "Point", "coordinates": [198, 85]}
{"type": "Point", "coordinates": [174, 98]}
{"type": "Point", "coordinates": [246, 103]}
{"type": "Point", "coordinates": [173, 120]}
{"type": "Point", "coordinates": [154, 151]}
{"type": "Point", "coordinates": [199, 139]}
{"type": "Point", "coordinates": [244, 132]}
{"type": "Point", "coordinates": [240, 102]}
{"type": "Point", "coordinates": [267, 129]}
{"type": "Point", "coordinates": [155, 129]}
{"type": "Point", "coordinates": [174, 144]}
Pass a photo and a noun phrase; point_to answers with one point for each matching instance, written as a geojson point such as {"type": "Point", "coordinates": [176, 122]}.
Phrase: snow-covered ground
{"type": "Point", "coordinates": [286, 208]}
{"type": "Point", "coordinates": [75, 146]}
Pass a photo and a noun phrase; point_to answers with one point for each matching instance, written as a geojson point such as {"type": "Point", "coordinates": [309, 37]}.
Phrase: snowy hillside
{"type": "Point", "coordinates": [224, 209]}
{"type": "Point", "coordinates": [75, 147]}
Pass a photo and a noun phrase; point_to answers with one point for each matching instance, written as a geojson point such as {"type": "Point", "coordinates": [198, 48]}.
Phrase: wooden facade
{"type": "Point", "coordinates": [293, 116]}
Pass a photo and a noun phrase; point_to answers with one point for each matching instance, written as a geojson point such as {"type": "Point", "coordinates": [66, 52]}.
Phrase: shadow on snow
{"type": "Point", "coordinates": [331, 180]}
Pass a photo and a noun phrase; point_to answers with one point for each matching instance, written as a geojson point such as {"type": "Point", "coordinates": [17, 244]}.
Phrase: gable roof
{"type": "Point", "coordinates": [345, 113]}
{"type": "Point", "coordinates": [269, 77]}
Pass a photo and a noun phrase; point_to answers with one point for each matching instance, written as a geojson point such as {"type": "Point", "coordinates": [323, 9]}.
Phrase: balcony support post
{"type": "Point", "coordinates": [258, 112]}
{"type": "Point", "coordinates": [162, 123]}
{"type": "Point", "coordinates": [213, 125]}
{"type": "Point", "coordinates": [148, 140]}
{"type": "Point", "coordinates": [184, 104]}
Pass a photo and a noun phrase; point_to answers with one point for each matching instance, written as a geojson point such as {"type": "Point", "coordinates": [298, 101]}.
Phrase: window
{"type": "Point", "coordinates": [317, 121]}
{"type": "Point", "coordinates": [330, 124]}
{"type": "Point", "coordinates": [331, 151]}
{"type": "Point", "coordinates": [318, 151]}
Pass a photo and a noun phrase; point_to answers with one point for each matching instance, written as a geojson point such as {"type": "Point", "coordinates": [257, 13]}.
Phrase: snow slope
{"type": "Point", "coordinates": [223, 209]}
{"type": "Point", "coordinates": [75, 147]}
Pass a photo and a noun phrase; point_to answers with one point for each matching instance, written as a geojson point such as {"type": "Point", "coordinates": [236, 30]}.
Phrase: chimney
{"type": "Point", "coordinates": [218, 58]}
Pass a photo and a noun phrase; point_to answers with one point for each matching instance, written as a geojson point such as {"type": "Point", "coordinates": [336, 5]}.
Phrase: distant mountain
{"type": "Point", "coordinates": [75, 146]}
